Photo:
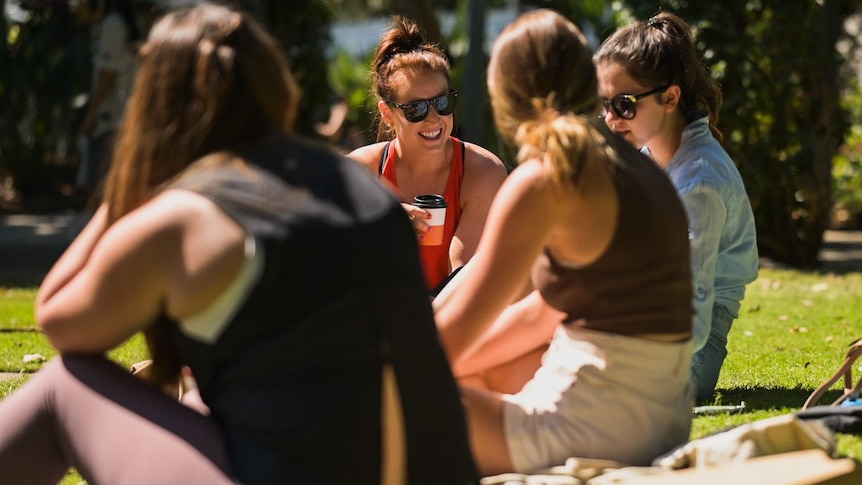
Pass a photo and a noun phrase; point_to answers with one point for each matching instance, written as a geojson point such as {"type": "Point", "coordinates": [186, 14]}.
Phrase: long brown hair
{"type": "Point", "coordinates": [661, 51]}
{"type": "Point", "coordinates": [210, 78]}
{"type": "Point", "coordinates": [402, 48]}
{"type": "Point", "coordinates": [543, 89]}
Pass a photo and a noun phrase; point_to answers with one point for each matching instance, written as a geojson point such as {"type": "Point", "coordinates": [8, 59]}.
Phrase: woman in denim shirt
{"type": "Point", "coordinates": [659, 97]}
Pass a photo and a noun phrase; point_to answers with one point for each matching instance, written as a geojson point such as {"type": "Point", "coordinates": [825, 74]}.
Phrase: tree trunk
{"type": "Point", "coordinates": [826, 133]}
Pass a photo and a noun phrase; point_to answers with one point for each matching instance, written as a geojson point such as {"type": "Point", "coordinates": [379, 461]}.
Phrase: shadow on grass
{"type": "Point", "coordinates": [839, 267]}
{"type": "Point", "coordinates": [840, 254]}
{"type": "Point", "coordinates": [769, 399]}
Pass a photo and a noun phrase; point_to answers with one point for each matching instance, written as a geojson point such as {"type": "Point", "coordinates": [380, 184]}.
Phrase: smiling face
{"type": "Point", "coordinates": [433, 132]}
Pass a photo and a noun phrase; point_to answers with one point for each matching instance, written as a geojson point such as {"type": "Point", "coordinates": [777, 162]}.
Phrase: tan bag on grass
{"type": "Point", "coordinates": [727, 457]}
{"type": "Point", "coordinates": [769, 436]}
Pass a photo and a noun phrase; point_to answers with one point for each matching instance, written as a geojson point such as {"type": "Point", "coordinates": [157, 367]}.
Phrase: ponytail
{"type": "Point", "coordinates": [700, 93]}
{"type": "Point", "coordinates": [546, 115]}
{"type": "Point", "coordinates": [564, 141]}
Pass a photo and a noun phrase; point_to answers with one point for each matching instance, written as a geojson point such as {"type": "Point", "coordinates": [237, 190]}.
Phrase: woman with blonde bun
{"type": "Point", "coordinates": [599, 229]}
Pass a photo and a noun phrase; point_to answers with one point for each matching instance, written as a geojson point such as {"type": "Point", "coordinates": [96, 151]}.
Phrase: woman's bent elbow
{"type": "Point", "coordinates": [62, 336]}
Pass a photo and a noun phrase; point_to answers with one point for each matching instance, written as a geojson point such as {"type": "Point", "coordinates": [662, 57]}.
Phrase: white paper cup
{"type": "Point", "coordinates": [436, 206]}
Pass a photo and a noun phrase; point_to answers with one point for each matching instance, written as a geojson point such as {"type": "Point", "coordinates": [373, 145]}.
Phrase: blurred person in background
{"type": "Point", "coordinates": [116, 36]}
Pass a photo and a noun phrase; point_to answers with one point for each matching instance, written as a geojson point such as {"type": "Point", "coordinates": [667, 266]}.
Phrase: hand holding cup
{"type": "Point", "coordinates": [435, 206]}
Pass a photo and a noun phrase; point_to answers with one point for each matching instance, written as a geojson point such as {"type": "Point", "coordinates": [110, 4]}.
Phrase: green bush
{"type": "Point", "coordinates": [847, 168]}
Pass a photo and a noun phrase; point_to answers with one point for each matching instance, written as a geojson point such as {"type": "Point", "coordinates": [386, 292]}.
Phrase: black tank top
{"type": "Point", "coordinates": [295, 378]}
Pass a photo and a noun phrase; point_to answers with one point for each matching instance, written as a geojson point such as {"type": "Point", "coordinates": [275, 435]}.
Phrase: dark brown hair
{"type": "Point", "coordinates": [661, 51]}
{"type": "Point", "coordinates": [402, 48]}
{"type": "Point", "coordinates": [210, 78]}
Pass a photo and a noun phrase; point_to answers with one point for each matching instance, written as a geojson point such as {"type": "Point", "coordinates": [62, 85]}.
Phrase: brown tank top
{"type": "Point", "coordinates": [642, 283]}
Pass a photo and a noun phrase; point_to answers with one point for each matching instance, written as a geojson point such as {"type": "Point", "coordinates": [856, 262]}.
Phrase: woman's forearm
{"type": "Point", "coordinates": [75, 256]}
{"type": "Point", "coordinates": [523, 327]}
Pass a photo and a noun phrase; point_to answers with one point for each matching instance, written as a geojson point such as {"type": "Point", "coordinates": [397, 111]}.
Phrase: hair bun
{"type": "Point", "coordinates": [656, 22]}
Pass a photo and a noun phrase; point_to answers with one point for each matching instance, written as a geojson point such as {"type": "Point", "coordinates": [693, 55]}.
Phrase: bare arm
{"type": "Point", "coordinates": [75, 256]}
{"type": "Point", "coordinates": [174, 254]}
{"type": "Point", "coordinates": [523, 327]}
{"type": "Point", "coordinates": [484, 173]}
{"type": "Point", "coordinates": [369, 157]}
{"type": "Point", "coordinates": [521, 219]}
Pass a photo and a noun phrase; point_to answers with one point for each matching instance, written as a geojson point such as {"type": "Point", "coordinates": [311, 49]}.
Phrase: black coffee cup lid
{"type": "Point", "coordinates": [429, 200]}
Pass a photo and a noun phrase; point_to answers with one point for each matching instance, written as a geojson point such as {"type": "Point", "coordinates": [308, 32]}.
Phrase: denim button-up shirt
{"type": "Point", "coordinates": [720, 225]}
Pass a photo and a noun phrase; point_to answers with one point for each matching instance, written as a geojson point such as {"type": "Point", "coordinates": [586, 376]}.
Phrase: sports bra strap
{"type": "Point", "coordinates": [385, 155]}
{"type": "Point", "coordinates": [383, 158]}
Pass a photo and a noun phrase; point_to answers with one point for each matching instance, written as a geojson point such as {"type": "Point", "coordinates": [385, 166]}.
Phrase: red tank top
{"type": "Point", "coordinates": [435, 259]}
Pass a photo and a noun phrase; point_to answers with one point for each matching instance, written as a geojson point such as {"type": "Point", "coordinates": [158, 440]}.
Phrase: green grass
{"type": "Point", "coordinates": [20, 337]}
{"type": "Point", "coordinates": [792, 334]}
{"type": "Point", "coordinates": [16, 308]}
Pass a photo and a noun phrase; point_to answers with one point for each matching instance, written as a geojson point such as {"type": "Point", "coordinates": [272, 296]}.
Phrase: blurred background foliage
{"type": "Point", "coordinates": [782, 79]}
{"type": "Point", "coordinates": [792, 116]}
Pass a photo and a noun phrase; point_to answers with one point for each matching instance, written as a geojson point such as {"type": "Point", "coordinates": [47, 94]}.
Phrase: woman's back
{"type": "Point", "coordinates": [295, 377]}
{"type": "Point", "coordinates": [640, 284]}
{"type": "Point", "coordinates": [256, 259]}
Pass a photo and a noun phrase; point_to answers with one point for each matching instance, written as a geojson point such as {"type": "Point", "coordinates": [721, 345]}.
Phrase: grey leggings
{"type": "Point", "coordinates": [89, 413]}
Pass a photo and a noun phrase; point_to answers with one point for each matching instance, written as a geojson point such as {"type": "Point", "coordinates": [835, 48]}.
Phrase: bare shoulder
{"type": "Point", "coordinates": [368, 155]}
{"type": "Point", "coordinates": [206, 236]}
{"type": "Point", "coordinates": [480, 158]}
{"type": "Point", "coordinates": [192, 209]}
{"type": "Point", "coordinates": [176, 206]}
{"type": "Point", "coordinates": [202, 248]}
{"type": "Point", "coordinates": [531, 173]}
{"type": "Point", "coordinates": [484, 172]}
{"type": "Point", "coordinates": [162, 214]}
{"type": "Point", "coordinates": [185, 214]}
{"type": "Point", "coordinates": [531, 179]}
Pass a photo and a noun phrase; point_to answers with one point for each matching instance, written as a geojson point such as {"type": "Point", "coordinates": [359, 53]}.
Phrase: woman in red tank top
{"type": "Point", "coordinates": [417, 154]}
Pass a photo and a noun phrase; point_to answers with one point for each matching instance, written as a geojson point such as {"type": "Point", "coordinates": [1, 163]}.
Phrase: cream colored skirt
{"type": "Point", "coordinates": [601, 395]}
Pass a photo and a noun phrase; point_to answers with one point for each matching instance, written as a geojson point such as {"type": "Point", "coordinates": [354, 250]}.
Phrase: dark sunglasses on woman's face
{"type": "Point", "coordinates": [623, 105]}
{"type": "Point", "coordinates": [418, 110]}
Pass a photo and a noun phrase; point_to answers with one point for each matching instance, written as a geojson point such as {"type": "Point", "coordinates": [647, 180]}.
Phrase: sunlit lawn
{"type": "Point", "coordinates": [792, 333]}
{"type": "Point", "coordinates": [20, 341]}
{"type": "Point", "coordinates": [23, 349]}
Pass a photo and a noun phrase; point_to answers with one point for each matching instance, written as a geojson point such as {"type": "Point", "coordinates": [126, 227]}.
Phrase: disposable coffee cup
{"type": "Point", "coordinates": [436, 206]}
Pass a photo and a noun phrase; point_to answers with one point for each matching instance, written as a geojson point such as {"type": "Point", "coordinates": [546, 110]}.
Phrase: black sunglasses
{"type": "Point", "coordinates": [418, 110]}
{"type": "Point", "coordinates": [623, 105]}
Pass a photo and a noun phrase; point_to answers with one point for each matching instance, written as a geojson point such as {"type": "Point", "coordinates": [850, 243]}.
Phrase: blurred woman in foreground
{"type": "Point", "coordinates": [210, 240]}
